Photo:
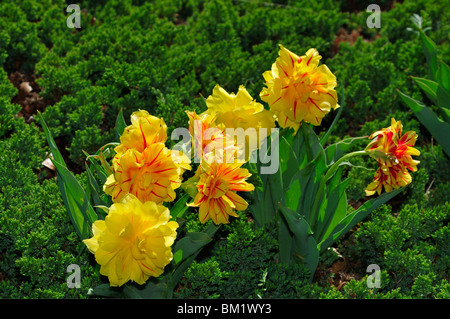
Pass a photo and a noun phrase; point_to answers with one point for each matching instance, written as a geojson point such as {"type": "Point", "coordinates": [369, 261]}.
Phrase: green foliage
{"type": "Point", "coordinates": [38, 241]}
{"type": "Point", "coordinates": [165, 57]}
{"type": "Point", "coordinates": [408, 245]}
{"type": "Point", "coordinates": [236, 265]}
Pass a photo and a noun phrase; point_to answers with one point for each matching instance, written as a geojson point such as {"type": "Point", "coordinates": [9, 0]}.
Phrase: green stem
{"type": "Point", "coordinates": [331, 171]}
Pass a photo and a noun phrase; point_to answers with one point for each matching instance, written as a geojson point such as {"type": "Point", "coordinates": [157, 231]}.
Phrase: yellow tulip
{"type": "Point", "coordinates": [298, 89]}
{"type": "Point", "coordinates": [134, 241]}
{"type": "Point", "coordinates": [217, 184]}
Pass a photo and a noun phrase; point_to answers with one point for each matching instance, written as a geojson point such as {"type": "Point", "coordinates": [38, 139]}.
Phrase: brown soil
{"type": "Point", "coordinates": [28, 95]}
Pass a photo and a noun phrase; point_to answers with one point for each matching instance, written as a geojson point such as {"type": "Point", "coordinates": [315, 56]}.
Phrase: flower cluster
{"type": "Point", "coordinates": [134, 241]}
{"type": "Point", "coordinates": [219, 175]}
{"type": "Point", "coordinates": [393, 152]}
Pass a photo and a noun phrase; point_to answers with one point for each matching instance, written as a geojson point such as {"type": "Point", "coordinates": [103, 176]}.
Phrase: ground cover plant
{"type": "Point", "coordinates": [134, 72]}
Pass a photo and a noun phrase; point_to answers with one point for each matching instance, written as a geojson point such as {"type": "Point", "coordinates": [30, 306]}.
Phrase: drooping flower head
{"type": "Point", "coordinates": [241, 111]}
{"type": "Point", "coordinates": [133, 242]}
{"type": "Point", "coordinates": [217, 184]}
{"type": "Point", "coordinates": [393, 152]}
{"type": "Point", "coordinates": [298, 89]}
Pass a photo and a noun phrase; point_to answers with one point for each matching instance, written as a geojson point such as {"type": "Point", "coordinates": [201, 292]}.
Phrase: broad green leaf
{"type": "Point", "coordinates": [285, 242]}
{"type": "Point", "coordinates": [180, 207]}
{"type": "Point", "coordinates": [443, 102]}
{"type": "Point", "coordinates": [190, 245]}
{"type": "Point", "coordinates": [94, 160]}
{"type": "Point", "coordinates": [76, 201]}
{"type": "Point", "coordinates": [336, 208]}
{"type": "Point", "coordinates": [105, 290]}
{"type": "Point", "coordinates": [350, 220]}
{"type": "Point", "coordinates": [81, 213]}
{"type": "Point", "coordinates": [154, 288]}
{"type": "Point", "coordinates": [263, 206]}
{"type": "Point", "coordinates": [304, 247]}
{"type": "Point", "coordinates": [51, 142]}
{"type": "Point", "coordinates": [431, 55]}
{"type": "Point", "coordinates": [438, 128]}
{"type": "Point", "coordinates": [429, 87]}
{"type": "Point", "coordinates": [444, 76]}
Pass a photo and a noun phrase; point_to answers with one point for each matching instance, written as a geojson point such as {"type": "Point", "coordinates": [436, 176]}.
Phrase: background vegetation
{"type": "Point", "coordinates": [165, 57]}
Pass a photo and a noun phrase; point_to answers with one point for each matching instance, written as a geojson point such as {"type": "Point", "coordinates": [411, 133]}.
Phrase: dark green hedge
{"type": "Point", "coordinates": [165, 57]}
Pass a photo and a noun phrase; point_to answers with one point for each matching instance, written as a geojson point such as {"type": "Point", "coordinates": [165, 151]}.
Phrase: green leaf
{"type": "Point", "coordinates": [51, 142]}
{"type": "Point", "coordinates": [285, 242]}
{"type": "Point", "coordinates": [120, 125]}
{"type": "Point", "coordinates": [336, 208]}
{"type": "Point", "coordinates": [180, 207]}
{"type": "Point", "coordinates": [263, 207]}
{"type": "Point", "coordinates": [190, 246]}
{"type": "Point", "coordinates": [105, 290]}
{"type": "Point", "coordinates": [75, 199]}
{"type": "Point", "coordinates": [431, 55]}
{"type": "Point", "coordinates": [443, 102]}
{"type": "Point", "coordinates": [154, 288]}
{"type": "Point", "coordinates": [93, 159]}
{"type": "Point", "coordinates": [429, 87]}
{"type": "Point", "coordinates": [444, 76]}
{"type": "Point", "coordinates": [304, 247]}
{"type": "Point", "coordinates": [350, 220]}
{"type": "Point", "coordinates": [438, 128]}
{"type": "Point", "coordinates": [94, 189]}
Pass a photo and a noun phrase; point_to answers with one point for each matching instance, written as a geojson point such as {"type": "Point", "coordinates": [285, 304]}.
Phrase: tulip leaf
{"type": "Point", "coordinates": [180, 207]}
{"type": "Point", "coordinates": [105, 290]}
{"type": "Point", "coordinates": [443, 76]}
{"type": "Point", "coordinates": [429, 87]}
{"type": "Point", "coordinates": [431, 55]}
{"type": "Point", "coordinates": [438, 128]}
{"type": "Point", "coordinates": [336, 208]}
{"type": "Point", "coordinates": [304, 248]}
{"type": "Point", "coordinates": [350, 220]}
{"type": "Point", "coordinates": [190, 246]}
{"type": "Point", "coordinates": [120, 124]}
{"type": "Point", "coordinates": [93, 191]}
{"type": "Point", "coordinates": [75, 199]}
